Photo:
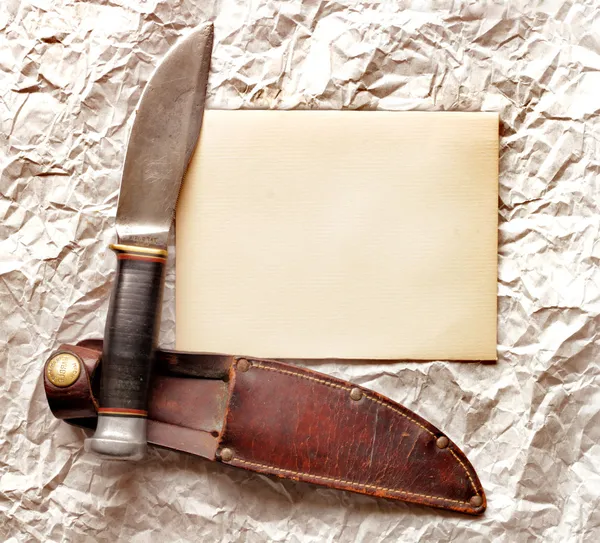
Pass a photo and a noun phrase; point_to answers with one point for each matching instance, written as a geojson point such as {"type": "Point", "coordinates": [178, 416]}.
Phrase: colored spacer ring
{"type": "Point", "coordinates": [131, 252]}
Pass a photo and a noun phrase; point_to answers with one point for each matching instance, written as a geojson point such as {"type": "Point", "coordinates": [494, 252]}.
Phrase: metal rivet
{"type": "Point", "coordinates": [355, 394]}
{"type": "Point", "coordinates": [63, 369]}
{"type": "Point", "coordinates": [442, 442]}
{"type": "Point", "coordinates": [226, 455]}
{"type": "Point", "coordinates": [243, 365]}
{"type": "Point", "coordinates": [476, 501]}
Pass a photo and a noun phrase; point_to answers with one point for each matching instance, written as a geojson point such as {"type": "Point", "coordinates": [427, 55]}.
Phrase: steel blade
{"type": "Point", "coordinates": [164, 134]}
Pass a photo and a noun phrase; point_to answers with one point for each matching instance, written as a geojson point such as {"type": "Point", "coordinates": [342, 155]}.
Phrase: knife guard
{"type": "Point", "coordinates": [278, 419]}
{"type": "Point", "coordinates": [130, 333]}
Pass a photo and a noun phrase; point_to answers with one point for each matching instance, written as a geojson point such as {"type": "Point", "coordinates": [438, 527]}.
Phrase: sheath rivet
{"type": "Point", "coordinates": [355, 394]}
{"type": "Point", "coordinates": [227, 455]}
{"type": "Point", "coordinates": [243, 365]}
{"type": "Point", "coordinates": [63, 369]}
{"type": "Point", "coordinates": [442, 442]}
{"type": "Point", "coordinates": [476, 501]}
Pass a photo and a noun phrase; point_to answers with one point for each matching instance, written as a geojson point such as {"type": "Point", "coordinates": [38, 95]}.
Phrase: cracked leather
{"type": "Point", "coordinates": [283, 420]}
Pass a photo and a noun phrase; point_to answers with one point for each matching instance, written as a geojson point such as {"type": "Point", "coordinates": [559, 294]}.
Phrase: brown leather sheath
{"type": "Point", "coordinates": [279, 419]}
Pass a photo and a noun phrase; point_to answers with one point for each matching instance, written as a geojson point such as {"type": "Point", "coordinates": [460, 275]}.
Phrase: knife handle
{"type": "Point", "coordinates": [128, 353]}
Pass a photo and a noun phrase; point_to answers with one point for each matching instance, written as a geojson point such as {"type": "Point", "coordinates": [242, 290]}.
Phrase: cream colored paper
{"type": "Point", "coordinates": [340, 234]}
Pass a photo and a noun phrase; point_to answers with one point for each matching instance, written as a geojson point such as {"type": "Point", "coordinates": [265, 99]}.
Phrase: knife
{"type": "Point", "coordinates": [163, 137]}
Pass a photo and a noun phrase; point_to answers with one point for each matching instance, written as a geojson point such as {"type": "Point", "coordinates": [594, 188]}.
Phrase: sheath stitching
{"type": "Point", "coordinates": [343, 481]}
{"type": "Point", "coordinates": [466, 470]}
{"type": "Point", "coordinates": [333, 385]}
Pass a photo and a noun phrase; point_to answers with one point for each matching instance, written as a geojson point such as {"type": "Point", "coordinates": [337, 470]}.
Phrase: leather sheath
{"type": "Point", "coordinates": [279, 419]}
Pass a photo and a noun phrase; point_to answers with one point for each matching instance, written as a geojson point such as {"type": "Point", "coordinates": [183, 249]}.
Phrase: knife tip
{"type": "Point", "coordinates": [203, 35]}
{"type": "Point", "coordinates": [207, 27]}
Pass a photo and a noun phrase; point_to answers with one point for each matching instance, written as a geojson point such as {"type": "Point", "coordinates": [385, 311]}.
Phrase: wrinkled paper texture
{"type": "Point", "coordinates": [71, 73]}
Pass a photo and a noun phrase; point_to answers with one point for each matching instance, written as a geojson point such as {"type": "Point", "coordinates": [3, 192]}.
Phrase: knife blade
{"type": "Point", "coordinates": [165, 131]}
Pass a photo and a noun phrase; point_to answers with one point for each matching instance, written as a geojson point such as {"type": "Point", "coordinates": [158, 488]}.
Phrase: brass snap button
{"type": "Point", "coordinates": [63, 369]}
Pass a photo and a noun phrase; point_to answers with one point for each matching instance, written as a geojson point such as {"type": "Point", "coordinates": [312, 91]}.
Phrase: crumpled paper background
{"type": "Point", "coordinates": [71, 74]}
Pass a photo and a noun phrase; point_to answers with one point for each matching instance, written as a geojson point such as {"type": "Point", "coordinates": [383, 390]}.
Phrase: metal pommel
{"type": "Point", "coordinates": [119, 438]}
